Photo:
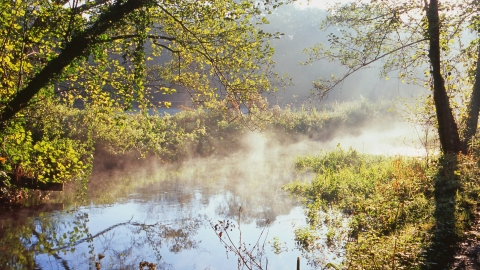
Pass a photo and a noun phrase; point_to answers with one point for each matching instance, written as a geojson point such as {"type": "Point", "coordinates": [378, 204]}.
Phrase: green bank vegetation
{"type": "Point", "coordinates": [61, 149]}
{"type": "Point", "coordinates": [110, 57]}
{"type": "Point", "coordinates": [403, 212]}
{"type": "Point", "coordinates": [114, 56]}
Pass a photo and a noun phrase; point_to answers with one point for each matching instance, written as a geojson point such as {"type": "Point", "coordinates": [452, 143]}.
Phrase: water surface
{"type": "Point", "coordinates": [146, 211]}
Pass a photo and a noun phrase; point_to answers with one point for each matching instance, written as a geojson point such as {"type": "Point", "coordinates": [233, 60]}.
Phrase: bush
{"type": "Point", "coordinates": [394, 204]}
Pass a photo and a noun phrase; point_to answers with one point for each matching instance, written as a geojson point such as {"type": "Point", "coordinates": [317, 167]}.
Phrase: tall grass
{"type": "Point", "coordinates": [394, 205]}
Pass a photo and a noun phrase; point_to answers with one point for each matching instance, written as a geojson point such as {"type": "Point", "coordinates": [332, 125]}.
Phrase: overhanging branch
{"type": "Point", "coordinates": [326, 89]}
{"type": "Point", "coordinates": [77, 47]}
{"type": "Point", "coordinates": [134, 36]}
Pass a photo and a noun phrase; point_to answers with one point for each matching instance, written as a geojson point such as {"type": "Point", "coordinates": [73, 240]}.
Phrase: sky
{"type": "Point", "coordinates": [300, 24]}
{"type": "Point", "coordinates": [320, 4]}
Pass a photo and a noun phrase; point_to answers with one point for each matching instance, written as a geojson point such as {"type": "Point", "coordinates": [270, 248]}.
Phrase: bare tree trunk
{"type": "Point", "coordinates": [78, 46]}
{"type": "Point", "coordinates": [447, 127]}
{"type": "Point", "coordinates": [473, 108]}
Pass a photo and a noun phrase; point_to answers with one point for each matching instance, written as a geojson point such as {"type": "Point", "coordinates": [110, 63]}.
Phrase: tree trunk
{"type": "Point", "coordinates": [471, 122]}
{"type": "Point", "coordinates": [78, 46]}
{"type": "Point", "coordinates": [447, 127]}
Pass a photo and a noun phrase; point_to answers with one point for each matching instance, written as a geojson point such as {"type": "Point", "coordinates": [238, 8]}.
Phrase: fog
{"type": "Point", "coordinates": [186, 197]}
{"type": "Point", "coordinates": [253, 171]}
{"type": "Point", "coordinates": [162, 211]}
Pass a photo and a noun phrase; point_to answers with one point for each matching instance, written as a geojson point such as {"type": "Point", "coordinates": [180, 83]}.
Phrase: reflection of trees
{"type": "Point", "coordinates": [176, 237]}
{"type": "Point", "coordinates": [259, 194]}
{"type": "Point", "coordinates": [251, 257]}
{"type": "Point", "coordinates": [22, 239]}
{"type": "Point", "coordinates": [15, 253]}
{"type": "Point", "coordinates": [59, 236]}
{"type": "Point", "coordinates": [252, 178]}
{"type": "Point", "coordinates": [258, 190]}
{"type": "Point", "coordinates": [222, 184]}
{"type": "Point", "coordinates": [256, 187]}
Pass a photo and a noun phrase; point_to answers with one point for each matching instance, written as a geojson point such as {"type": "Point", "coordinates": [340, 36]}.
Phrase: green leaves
{"type": "Point", "coordinates": [387, 200]}
{"type": "Point", "coordinates": [57, 161]}
{"type": "Point", "coordinates": [212, 49]}
{"type": "Point", "coordinates": [393, 33]}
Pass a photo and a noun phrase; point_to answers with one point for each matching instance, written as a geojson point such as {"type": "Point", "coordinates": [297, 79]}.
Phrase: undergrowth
{"type": "Point", "coordinates": [58, 144]}
{"type": "Point", "coordinates": [404, 212]}
{"type": "Point", "coordinates": [202, 132]}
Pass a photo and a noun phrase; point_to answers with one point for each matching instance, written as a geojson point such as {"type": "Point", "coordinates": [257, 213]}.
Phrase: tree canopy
{"type": "Point", "coordinates": [112, 56]}
{"type": "Point", "coordinates": [122, 44]}
{"type": "Point", "coordinates": [431, 43]}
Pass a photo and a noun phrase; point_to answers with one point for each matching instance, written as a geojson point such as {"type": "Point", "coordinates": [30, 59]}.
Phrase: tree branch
{"type": "Point", "coordinates": [77, 47]}
{"type": "Point", "coordinates": [133, 36]}
{"type": "Point", "coordinates": [205, 54]}
{"type": "Point", "coordinates": [352, 70]}
{"type": "Point", "coordinates": [161, 45]}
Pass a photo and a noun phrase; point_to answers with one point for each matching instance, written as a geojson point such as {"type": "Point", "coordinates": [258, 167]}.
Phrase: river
{"type": "Point", "coordinates": [145, 211]}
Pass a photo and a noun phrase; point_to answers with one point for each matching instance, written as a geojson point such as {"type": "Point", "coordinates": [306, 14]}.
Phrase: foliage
{"type": "Point", "coordinates": [395, 213]}
{"type": "Point", "coordinates": [426, 43]}
{"type": "Point", "coordinates": [324, 122]}
{"type": "Point", "coordinates": [214, 50]}
{"type": "Point", "coordinates": [40, 149]}
{"type": "Point", "coordinates": [203, 132]}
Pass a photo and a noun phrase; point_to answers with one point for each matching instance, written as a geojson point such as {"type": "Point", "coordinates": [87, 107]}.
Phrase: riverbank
{"type": "Point", "coordinates": [404, 212]}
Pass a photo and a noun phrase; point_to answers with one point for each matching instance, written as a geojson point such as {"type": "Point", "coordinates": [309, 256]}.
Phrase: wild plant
{"type": "Point", "coordinates": [398, 213]}
{"type": "Point", "coordinates": [250, 257]}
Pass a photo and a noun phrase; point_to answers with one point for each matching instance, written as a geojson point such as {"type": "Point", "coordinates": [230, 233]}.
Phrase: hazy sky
{"type": "Point", "coordinates": [300, 24]}
{"type": "Point", "coordinates": [321, 4]}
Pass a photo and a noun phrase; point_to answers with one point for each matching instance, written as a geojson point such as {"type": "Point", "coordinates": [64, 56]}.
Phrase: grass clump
{"type": "Point", "coordinates": [327, 122]}
{"type": "Point", "coordinates": [403, 212]}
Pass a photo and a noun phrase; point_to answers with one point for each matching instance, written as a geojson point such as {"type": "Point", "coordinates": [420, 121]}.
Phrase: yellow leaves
{"type": "Point", "coordinates": [167, 91]}
{"type": "Point", "coordinates": [167, 104]}
{"type": "Point", "coordinates": [195, 44]}
{"type": "Point", "coordinates": [6, 59]}
{"type": "Point", "coordinates": [265, 21]}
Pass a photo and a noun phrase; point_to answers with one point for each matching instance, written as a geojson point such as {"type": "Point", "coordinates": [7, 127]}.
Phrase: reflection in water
{"type": "Point", "coordinates": [147, 212]}
{"type": "Point", "coordinates": [78, 239]}
{"type": "Point", "coordinates": [161, 214]}
{"type": "Point", "coordinates": [251, 255]}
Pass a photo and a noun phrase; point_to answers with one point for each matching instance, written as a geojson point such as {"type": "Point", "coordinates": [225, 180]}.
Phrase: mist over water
{"type": "Point", "coordinates": [397, 138]}
{"type": "Point", "coordinates": [200, 191]}
{"type": "Point", "coordinates": [147, 210]}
